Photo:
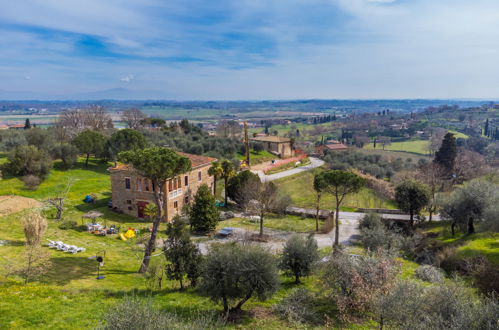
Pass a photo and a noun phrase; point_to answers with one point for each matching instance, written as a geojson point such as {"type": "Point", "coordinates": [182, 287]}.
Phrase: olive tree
{"type": "Point", "coordinates": [158, 165]}
{"type": "Point", "coordinates": [234, 273]}
{"type": "Point", "coordinates": [299, 255]}
{"type": "Point", "coordinates": [473, 202]}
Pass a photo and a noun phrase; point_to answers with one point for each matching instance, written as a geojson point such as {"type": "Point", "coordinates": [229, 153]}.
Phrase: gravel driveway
{"type": "Point", "coordinates": [314, 163]}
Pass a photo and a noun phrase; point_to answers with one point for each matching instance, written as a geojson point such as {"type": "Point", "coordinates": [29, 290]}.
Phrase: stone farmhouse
{"type": "Point", "coordinates": [277, 145]}
{"type": "Point", "coordinates": [131, 193]}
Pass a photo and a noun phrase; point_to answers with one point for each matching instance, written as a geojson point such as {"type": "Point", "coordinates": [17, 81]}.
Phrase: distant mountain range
{"type": "Point", "coordinates": [107, 94]}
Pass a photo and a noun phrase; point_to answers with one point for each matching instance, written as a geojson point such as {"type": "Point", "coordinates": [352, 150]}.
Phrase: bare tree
{"type": "Point", "coordinates": [58, 202]}
{"type": "Point", "coordinates": [469, 165]}
{"type": "Point", "coordinates": [265, 199]}
{"type": "Point", "coordinates": [36, 260]}
{"type": "Point", "coordinates": [97, 118]}
{"type": "Point", "coordinates": [76, 120]}
{"type": "Point", "coordinates": [34, 226]}
{"type": "Point", "coordinates": [433, 175]}
{"type": "Point", "coordinates": [133, 118]}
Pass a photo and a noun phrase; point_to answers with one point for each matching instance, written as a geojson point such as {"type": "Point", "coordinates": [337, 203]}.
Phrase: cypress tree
{"type": "Point", "coordinates": [486, 128]}
{"type": "Point", "coordinates": [204, 214]}
{"type": "Point", "coordinates": [446, 155]}
{"type": "Point", "coordinates": [27, 124]}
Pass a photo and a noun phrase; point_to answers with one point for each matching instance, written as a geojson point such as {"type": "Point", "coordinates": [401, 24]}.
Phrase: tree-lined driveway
{"type": "Point", "coordinates": [314, 163]}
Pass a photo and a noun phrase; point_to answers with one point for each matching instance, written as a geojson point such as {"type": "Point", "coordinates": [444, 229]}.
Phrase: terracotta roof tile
{"type": "Point", "coordinates": [196, 161]}
{"type": "Point", "coordinates": [269, 138]}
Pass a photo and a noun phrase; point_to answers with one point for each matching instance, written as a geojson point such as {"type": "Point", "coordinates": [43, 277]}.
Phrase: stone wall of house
{"type": "Point", "coordinates": [128, 198]}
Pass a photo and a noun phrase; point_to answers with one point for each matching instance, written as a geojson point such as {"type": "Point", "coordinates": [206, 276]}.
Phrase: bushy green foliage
{"type": "Point", "coordinates": [194, 140]}
{"type": "Point", "coordinates": [40, 138]}
{"type": "Point", "coordinates": [28, 160]}
{"type": "Point", "coordinates": [90, 142]}
{"type": "Point", "coordinates": [139, 313]}
{"type": "Point", "coordinates": [233, 273]}
{"type": "Point", "coordinates": [10, 139]}
{"type": "Point", "coordinates": [412, 196]}
{"type": "Point", "coordinates": [429, 273]}
{"type": "Point", "coordinates": [446, 155]}
{"type": "Point", "coordinates": [66, 152]}
{"type": "Point", "coordinates": [298, 307]}
{"type": "Point", "coordinates": [375, 165]}
{"type": "Point", "coordinates": [236, 186]}
{"type": "Point", "coordinates": [183, 255]}
{"type": "Point", "coordinates": [353, 282]}
{"type": "Point", "coordinates": [475, 202]}
{"type": "Point", "coordinates": [125, 140]}
{"type": "Point", "coordinates": [204, 214]}
{"type": "Point", "coordinates": [444, 306]}
{"type": "Point", "coordinates": [68, 224]}
{"type": "Point", "coordinates": [299, 256]}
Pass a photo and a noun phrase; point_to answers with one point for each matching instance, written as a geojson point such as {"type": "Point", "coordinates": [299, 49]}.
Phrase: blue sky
{"type": "Point", "coordinates": [252, 49]}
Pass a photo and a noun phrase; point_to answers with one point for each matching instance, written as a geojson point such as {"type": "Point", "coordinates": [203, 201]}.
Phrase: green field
{"type": "Point", "coordinates": [279, 222]}
{"type": "Point", "coordinates": [258, 157]}
{"type": "Point", "coordinates": [481, 243]}
{"type": "Point", "coordinates": [419, 147]}
{"type": "Point", "coordinates": [300, 188]}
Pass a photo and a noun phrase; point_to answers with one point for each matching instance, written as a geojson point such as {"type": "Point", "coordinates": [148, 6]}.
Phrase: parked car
{"type": "Point", "coordinates": [226, 232]}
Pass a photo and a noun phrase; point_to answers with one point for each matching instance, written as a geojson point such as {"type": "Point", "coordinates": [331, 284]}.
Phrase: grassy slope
{"type": "Point", "coordinates": [481, 243]}
{"type": "Point", "coordinates": [69, 293]}
{"type": "Point", "coordinates": [412, 146]}
{"type": "Point", "coordinates": [258, 157]}
{"type": "Point", "coordinates": [279, 222]}
{"type": "Point", "coordinates": [300, 188]}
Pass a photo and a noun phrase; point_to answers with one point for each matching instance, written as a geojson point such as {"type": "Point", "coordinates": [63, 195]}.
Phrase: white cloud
{"type": "Point", "coordinates": [127, 78]}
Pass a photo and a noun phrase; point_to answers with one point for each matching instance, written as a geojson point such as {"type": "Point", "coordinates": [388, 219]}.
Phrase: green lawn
{"type": "Point", "coordinates": [279, 222]}
{"type": "Point", "coordinates": [481, 243]}
{"type": "Point", "coordinates": [300, 188]}
{"type": "Point", "coordinates": [419, 147]}
{"type": "Point", "coordinates": [258, 157]}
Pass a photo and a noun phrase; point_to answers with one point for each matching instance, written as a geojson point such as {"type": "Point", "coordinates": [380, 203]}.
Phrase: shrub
{"type": "Point", "coordinates": [429, 273]}
{"type": "Point", "coordinates": [135, 313]}
{"type": "Point", "coordinates": [299, 256]}
{"type": "Point", "coordinates": [34, 226]}
{"type": "Point", "coordinates": [66, 152]}
{"type": "Point", "coordinates": [445, 306]}
{"type": "Point", "coordinates": [486, 277]}
{"type": "Point", "coordinates": [183, 256]}
{"type": "Point", "coordinates": [226, 215]}
{"type": "Point", "coordinates": [370, 221]}
{"type": "Point", "coordinates": [298, 307]}
{"type": "Point", "coordinates": [26, 160]}
{"type": "Point", "coordinates": [353, 282]}
{"type": "Point", "coordinates": [204, 214]}
{"type": "Point", "coordinates": [68, 224]}
{"type": "Point", "coordinates": [31, 182]}
{"type": "Point", "coordinates": [233, 273]}
{"type": "Point", "coordinates": [237, 184]}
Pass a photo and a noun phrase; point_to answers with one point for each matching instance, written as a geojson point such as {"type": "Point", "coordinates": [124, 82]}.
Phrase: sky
{"type": "Point", "coordinates": [252, 49]}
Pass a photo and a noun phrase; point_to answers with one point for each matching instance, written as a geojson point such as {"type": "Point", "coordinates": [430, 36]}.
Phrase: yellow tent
{"type": "Point", "coordinates": [130, 233]}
